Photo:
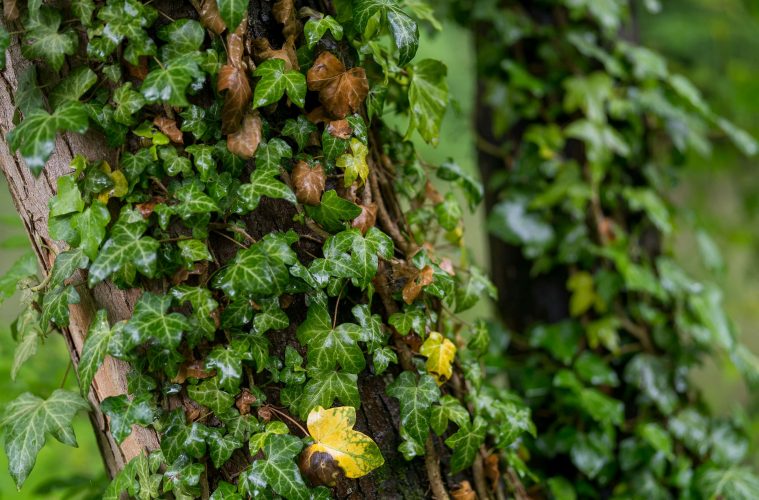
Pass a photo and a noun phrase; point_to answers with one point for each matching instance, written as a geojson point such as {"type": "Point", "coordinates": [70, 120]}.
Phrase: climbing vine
{"type": "Point", "coordinates": [258, 202]}
{"type": "Point", "coordinates": [582, 131]}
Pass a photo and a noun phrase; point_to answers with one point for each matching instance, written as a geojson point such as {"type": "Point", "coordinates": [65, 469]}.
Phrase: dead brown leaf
{"type": "Point", "coordinates": [309, 182]}
{"type": "Point", "coordinates": [263, 51]}
{"type": "Point", "coordinates": [463, 491]}
{"type": "Point", "coordinates": [366, 219]}
{"type": "Point", "coordinates": [210, 17]}
{"type": "Point", "coordinates": [244, 400]}
{"type": "Point", "coordinates": [140, 71]}
{"type": "Point", "coordinates": [492, 471]}
{"type": "Point", "coordinates": [245, 141]}
{"type": "Point", "coordinates": [340, 128]}
{"type": "Point", "coordinates": [235, 81]}
{"type": "Point", "coordinates": [341, 92]}
{"type": "Point", "coordinates": [318, 115]}
{"type": "Point", "coordinates": [284, 13]}
{"type": "Point", "coordinates": [169, 128]}
{"type": "Point", "coordinates": [192, 369]}
{"type": "Point", "coordinates": [414, 286]}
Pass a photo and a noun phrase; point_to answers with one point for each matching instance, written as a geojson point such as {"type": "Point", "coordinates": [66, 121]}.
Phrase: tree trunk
{"type": "Point", "coordinates": [378, 415]}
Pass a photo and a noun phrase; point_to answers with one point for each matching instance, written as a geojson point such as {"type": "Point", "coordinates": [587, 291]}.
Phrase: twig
{"type": "Point", "coordinates": [289, 419]}
{"type": "Point", "coordinates": [432, 464]}
{"type": "Point", "coordinates": [389, 225]}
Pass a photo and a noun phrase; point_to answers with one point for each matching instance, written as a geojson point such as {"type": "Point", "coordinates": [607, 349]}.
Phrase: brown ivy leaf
{"type": "Point", "coordinates": [265, 413]}
{"type": "Point", "coordinates": [340, 128]}
{"type": "Point", "coordinates": [169, 127]}
{"type": "Point", "coordinates": [414, 286]}
{"type": "Point", "coordinates": [245, 141]}
{"type": "Point", "coordinates": [309, 182]}
{"type": "Point", "coordinates": [140, 71]}
{"type": "Point", "coordinates": [463, 491]}
{"type": "Point", "coordinates": [492, 471]}
{"type": "Point", "coordinates": [341, 92]}
{"type": "Point", "coordinates": [433, 194]}
{"type": "Point", "coordinates": [367, 218]}
{"type": "Point", "coordinates": [10, 10]}
{"type": "Point", "coordinates": [235, 48]}
{"type": "Point", "coordinates": [244, 400]}
{"type": "Point", "coordinates": [235, 81]}
{"type": "Point", "coordinates": [318, 115]}
{"type": "Point", "coordinates": [284, 13]}
{"type": "Point", "coordinates": [146, 208]}
{"type": "Point", "coordinates": [210, 17]}
{"type": "Point", "coordinates": [263, 51]}
{"type": "Point", "coordinates": [192, 369]}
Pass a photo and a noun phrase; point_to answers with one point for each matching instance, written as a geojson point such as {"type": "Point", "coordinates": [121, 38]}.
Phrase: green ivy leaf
{"type": "Point", "coordinates": [465, 444]}
{"type": "Point", "coordinates": [91, 225]}
{"type": "Point", "coordinates": [449, 409]}
{"type": "Point", "coordinates": [151, 322]}
{"type": "Point", "coordinates": [232, 12]}
{"type": "Point", "coordinates": [66, 263]}
{"type": "Point", "coordinates": [193, 200]}
{"type": "Point", "coordinates": [83, 10]}
{"type": "Point", "coordinates": [299, 129]}
{"type": "Point", "coordinates": [263, 183]}
{"type": "Point", "coordinates": [126, 251]}
{"type": "Point", "coordinates": [182, 477]}
{"type": "Point", "coordinates": [428, 98]}
{"type": "Point", "coordinates": [269, 154]}
{"type": "Point", "coordinates": [169, 83]}
{"type": "Point", "coordinates": [44, 41]}
{"type": "Point", "coordinates": [404, 29]}
{"type": "Point", "coordinates": [203, 306]}
{"type": "Point", "coordinates": [211, 396]}
{"type": "Point", "coordinates": [28, 419]}
{"type": "Point", "coordinates": [221, 446]}
{"type": "Point", "coordinates": [24, 267]}
{"type": "Point", "coordinates": [473, 190]}
{"type": "Point", "coordinates": [34, 137]}
{"type": "Point", "coordinates": [354, 164]}
{"type": "Point", "coordinates": [329, 347]}
{"type": "Point", "coordinates": [333, 211]}
{"type": "Point", "coordinates": [228, 364]}
{"type": "Point", "coordinates": [55, 305]}
{"type": "Point", "coordinates": [275, 81]}
{"type": "Point", "coordinates": [30, 334]}
{"type": "Point", "coordinates": [271, 317]}
{"type": "Point", "coordinates": [123, 413]}
{"type": "Point", "coordinates": [95, 348]}
{"type": "Point", "coordinates": [225, 491]}
{"type": "Point", "coordinates": [416, 398]}
{"type": "Point", "coordinates": [316, 27]}
{"type": "Point", "coordinates": [73, 87]}
{"type": "Point", "coordinates": [279, 470]}
{"type": "Point", "coordinates": [323, 387]}
{"type": "Point", "coordinates": [128, 102]}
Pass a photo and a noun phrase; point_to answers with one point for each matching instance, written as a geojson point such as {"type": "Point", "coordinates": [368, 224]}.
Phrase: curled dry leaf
{"type": "Point", "coordinates": [414, 286]}
{"type": "Point", "coordinates": [169, 128]}
{"type": "Point", "coordinates": [284, 13]}
{"type": "Point", "coordinates": [234, 80]}
{"type": "Point", "coordinates": [210, 17]}
{"type": "Point", "coordinates": [245, 141]}
{"type": "Point", "coordinates": [340, 129]}
{"type": "Point", "coordinates": [263, 51]}
{"type": "Point", "coordinates": [463, 491]}
{"type": "Point", "coordinates": [318, 115]}
{"type": "Point", "coordinates": [146, 209]}
{"type": "Point", "coordinates": [244, 401]}
{"type": "Point", "coordinates": [309, 182]}
{"type": "Point", "coordinates": [192, 369]}
{"type": "Point", "coordinates": [366, 219]}
{"type": "Point", "coordinates": [492, 469]}
{"type": "Point", "coordinates": [341, 92]}
{"type": "Point", "coordinates": [140, 71]}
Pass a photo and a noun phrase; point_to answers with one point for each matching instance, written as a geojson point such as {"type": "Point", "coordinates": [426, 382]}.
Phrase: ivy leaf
{"type": "Point", "coordinates": [404, 29]}
{"type": "Point", "coordinates": [371, 327]}
{"type": "Point", "coordinates": [341, 91]}
{"type": "Point", "coordinates": [449, 409]}
{"type": "Point", "coordinates": [24, 267]}
{"type": "Point", "coordinates": [354, 164]}
{"type": "Point", "coordinates": [221, 446]}
{"type": "Point", "coordinates": [183, 477]}
{"type": "Point", "coordinates": [29, 333]}
{"type": "Point", "coordinates": [269, 154]}
{"type": "Point", "coordinates": [416, 398]}
{"type": "Point", "coordinates": [256, 272]}
{"type": "Point", "coordinates": [315, 28]}
{"type": "Point", "coordinates": [228, 364]}
{"type": "Point", "coordinates": [44, 41]}
{"type": "Point", "coordinates": [73, 87]}
{"type": "Point", "coordinates": [211, 396]}
{"type": "Point", "coordinates": [124, 413]}
{"type": "Point", "coordinates": [128, 102]}
{"type": "Point", "coordinates": [126, 251]}
{"type": "Point", "coordinates": [28, 419]}
{"type": "Point", "coordinates": [333, 211]}
{"type": "Point", "coordinates": [299, 129]}
{"type": "Point", "coordinates": [465, 443]}
{"type": "Point", "coordinates": [279, 470]}
{"type": "Point", "coordinates": [95, 348]}
{"type": "Point", "coordinates": [91, 225]}
{"type": "Point", "coordinates": [275, 81]}
{"type": "Point", "coordinates": [428, 98]}
{"type": "Point", "coordinates": [232, 12]}
{"type": "Point", "coordinates": [83, 10]}
{"type": "Point", "coordinates": [271, 317]}
{"type": "Point", "coordinates": [203, 306]}
{"type": "Point", "coordinates": [225, 490]}
{"type": "Point", "coordinates": [193, 200]}
{"type": "Point", "coordinates": [355, 453]}
{"type": "Point", "coordinates": [440, 353]}
{"type": "Point", "coordinates": [124, 19]}
{"type": "Point", "coordinates": [467, 296]}
{"type": "Point", "coordinates": [55, 305]}
{"type": "Point", "coordinates": [169, 83]}
{"type": "Point", "coordinates": [151, 322]}
{"type": "Point", "coordinates": [323, 387]}
{"type": "Point", "coordinates": [327, 346]}
{"type": "Point", "coordinates": [66, 263]}
{"type": "Point", "coordinates": [263, 183]}
{"type": "Point", "coordinates": [473, 190]}
{"type": "Point", "coordinates": [34, 137]}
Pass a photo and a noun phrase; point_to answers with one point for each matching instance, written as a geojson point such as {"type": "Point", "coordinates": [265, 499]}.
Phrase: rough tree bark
{"type": "Point", "coordinates": [378, 415]}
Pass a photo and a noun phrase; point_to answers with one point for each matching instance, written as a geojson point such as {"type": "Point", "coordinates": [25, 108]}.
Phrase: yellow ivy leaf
{"type": "Point", "coordinates": [355, 453]}
{"type": "Point", "coordinates": [354, 163]}
{"type": "Point", "coordinates": [439, 352]}
{"type": "Point", "coordinates": [120, 184]}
